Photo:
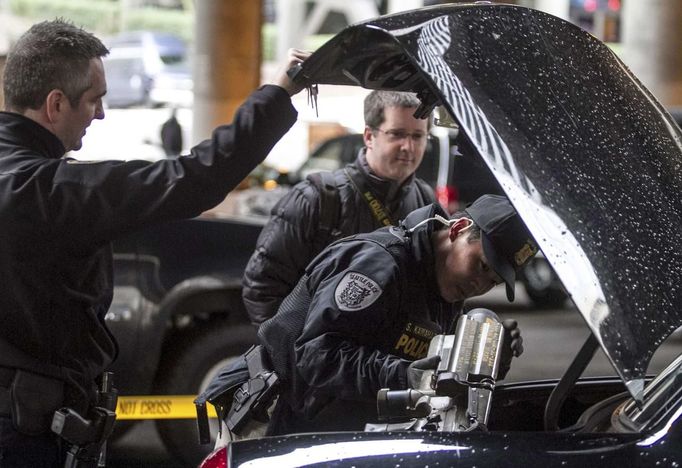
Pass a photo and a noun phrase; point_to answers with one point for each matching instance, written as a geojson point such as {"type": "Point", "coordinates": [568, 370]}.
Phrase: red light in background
{"type": "Point", "coordinates": [590, 5]}
{"type": "Point", "coordinates": [448, 197]}
{"type": "Point", "coordinates": [614, 5]}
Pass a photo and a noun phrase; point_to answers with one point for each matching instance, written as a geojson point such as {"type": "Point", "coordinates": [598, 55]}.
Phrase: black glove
{"type": "Point", "coordinates": [417, 368]}
{"type": "Point", "coordinates": [512, 345]}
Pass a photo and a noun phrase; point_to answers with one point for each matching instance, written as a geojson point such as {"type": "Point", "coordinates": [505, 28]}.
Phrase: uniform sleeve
{"type": "Point", "coordinates": [95, 202]}
{"type": "Point", "coordinates": [284, 248]}
{"type": "Point", "coordinates": [355, 290]}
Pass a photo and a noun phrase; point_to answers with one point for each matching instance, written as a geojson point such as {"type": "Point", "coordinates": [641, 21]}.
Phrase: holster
{"type": "Point", "coordinates": [219, 393]}
{"type": "Point", "coordinates": [34, 399]}
{"type": "Point", "coordinates": [242, 391]}
{"type": "Point", "coordinates": [253, 398]}
{"type": "Point", "coordinates": [88, 436]}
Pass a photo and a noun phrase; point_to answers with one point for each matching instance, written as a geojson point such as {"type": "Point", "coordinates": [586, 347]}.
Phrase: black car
{"type": "Point", "coordinates": [592, 163]}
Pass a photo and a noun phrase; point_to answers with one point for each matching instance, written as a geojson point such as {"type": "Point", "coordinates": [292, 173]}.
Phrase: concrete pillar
{"type": "Point", "coordinates": [227, 60]}
{"type": "Point", "coordinates": [290, 20]}
{"type": "Point", "coordinates": [651, 34]}
{"type": "Point", "coordinates": [559, 8]}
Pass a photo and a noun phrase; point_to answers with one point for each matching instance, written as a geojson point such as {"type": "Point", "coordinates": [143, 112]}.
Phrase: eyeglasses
{"type": "Point", "coordinates": [401, 135]}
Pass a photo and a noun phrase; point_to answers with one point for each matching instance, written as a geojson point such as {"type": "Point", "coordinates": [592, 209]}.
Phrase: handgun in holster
{"type": "Point", "coordinates": [253, 398]}
{"type": "Point", "coordinates": [88, 436]}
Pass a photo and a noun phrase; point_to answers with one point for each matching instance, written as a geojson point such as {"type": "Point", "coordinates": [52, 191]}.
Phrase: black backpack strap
{"type": "Point", "coordinates": [329, 206]}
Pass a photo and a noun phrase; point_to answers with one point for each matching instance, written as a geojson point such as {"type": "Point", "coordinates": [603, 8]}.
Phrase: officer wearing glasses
{"type": "Point", "coordinates": [376, 190]}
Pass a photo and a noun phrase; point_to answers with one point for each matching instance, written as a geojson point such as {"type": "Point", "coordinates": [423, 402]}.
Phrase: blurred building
{"type": "Point", "coordinates": [644, 33]}
{"type": "Point", "coordinates": [651, 31]}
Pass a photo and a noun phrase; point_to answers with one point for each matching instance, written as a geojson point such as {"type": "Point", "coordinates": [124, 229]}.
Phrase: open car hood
{"type": "Point", "coordinates": [589, 158]}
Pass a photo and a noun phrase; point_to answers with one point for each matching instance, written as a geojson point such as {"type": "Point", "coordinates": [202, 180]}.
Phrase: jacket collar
{"type": "Point", "coordinates": [386, 189]}
{"type": "Point", "coordinates": [17, 130]}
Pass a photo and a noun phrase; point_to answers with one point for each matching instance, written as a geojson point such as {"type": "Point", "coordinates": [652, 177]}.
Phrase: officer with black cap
{"type": "Point", "coordinates": [362, 316]}
{"type": "Point", "coordinates": [506, 243]}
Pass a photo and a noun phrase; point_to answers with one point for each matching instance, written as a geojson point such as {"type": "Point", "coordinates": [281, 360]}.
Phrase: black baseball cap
{"type": "Point", "coordinates": [506, 242]}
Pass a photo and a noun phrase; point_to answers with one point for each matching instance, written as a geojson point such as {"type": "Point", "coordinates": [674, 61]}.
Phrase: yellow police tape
{"type": "Point", "coordinates": [159, 407]}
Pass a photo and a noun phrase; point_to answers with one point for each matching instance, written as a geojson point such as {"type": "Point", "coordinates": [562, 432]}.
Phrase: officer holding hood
{"type": "Point", "coordinates": [58, 217]}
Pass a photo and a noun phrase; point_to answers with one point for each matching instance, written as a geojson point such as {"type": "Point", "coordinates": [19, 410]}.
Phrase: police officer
{"type": "Point", "coordinates": [58, 217]}
{"type": "Point", "coordinates": [378, 189]}
{"type": "Point", "coordinates": [362, 316]}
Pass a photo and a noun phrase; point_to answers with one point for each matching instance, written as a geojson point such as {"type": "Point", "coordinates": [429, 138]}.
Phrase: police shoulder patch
{"type": "Point", "coordinates": [356, 291]}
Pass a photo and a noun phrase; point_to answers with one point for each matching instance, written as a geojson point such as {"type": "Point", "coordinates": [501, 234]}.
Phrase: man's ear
{"type": "Point", "coordinates": [368, 137]}
{"type": "Point", "coordinates": [54, 105]}
{"type": "Point", "coordinates": [459, 227]}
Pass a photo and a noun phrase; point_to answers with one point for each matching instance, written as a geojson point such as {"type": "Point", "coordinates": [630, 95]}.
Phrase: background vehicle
{"type": "Point", "coordinates": [147, 68]}
{"type": "Point", "coordinates": [129, 77]}
{"type": "Point", "coordinates": [172, 86]}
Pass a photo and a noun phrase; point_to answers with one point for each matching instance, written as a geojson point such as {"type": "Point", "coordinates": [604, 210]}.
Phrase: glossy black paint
{"type": "Point", "coordinates": [452, 449]}
{"type": "Point", "coordinates": [515, 439]}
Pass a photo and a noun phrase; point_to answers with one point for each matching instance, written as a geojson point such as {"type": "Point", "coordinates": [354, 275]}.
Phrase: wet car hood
{"type": "Point", "coordinates": [589, 158]}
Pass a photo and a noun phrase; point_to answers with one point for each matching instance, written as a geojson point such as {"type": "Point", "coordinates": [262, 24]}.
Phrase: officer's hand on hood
{"type": "Point", "coordinates": [294, 57]}
{"type": "Point", "coordinates": [512, 345]}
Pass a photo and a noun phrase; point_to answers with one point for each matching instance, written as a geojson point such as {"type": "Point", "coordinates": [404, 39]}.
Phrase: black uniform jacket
{"type": "Point", "coordinates": [371, 307]}
{"type": "Point", "coordinates": [292, 236]}
{"type": "Point", "coordinates": [58, 217]}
